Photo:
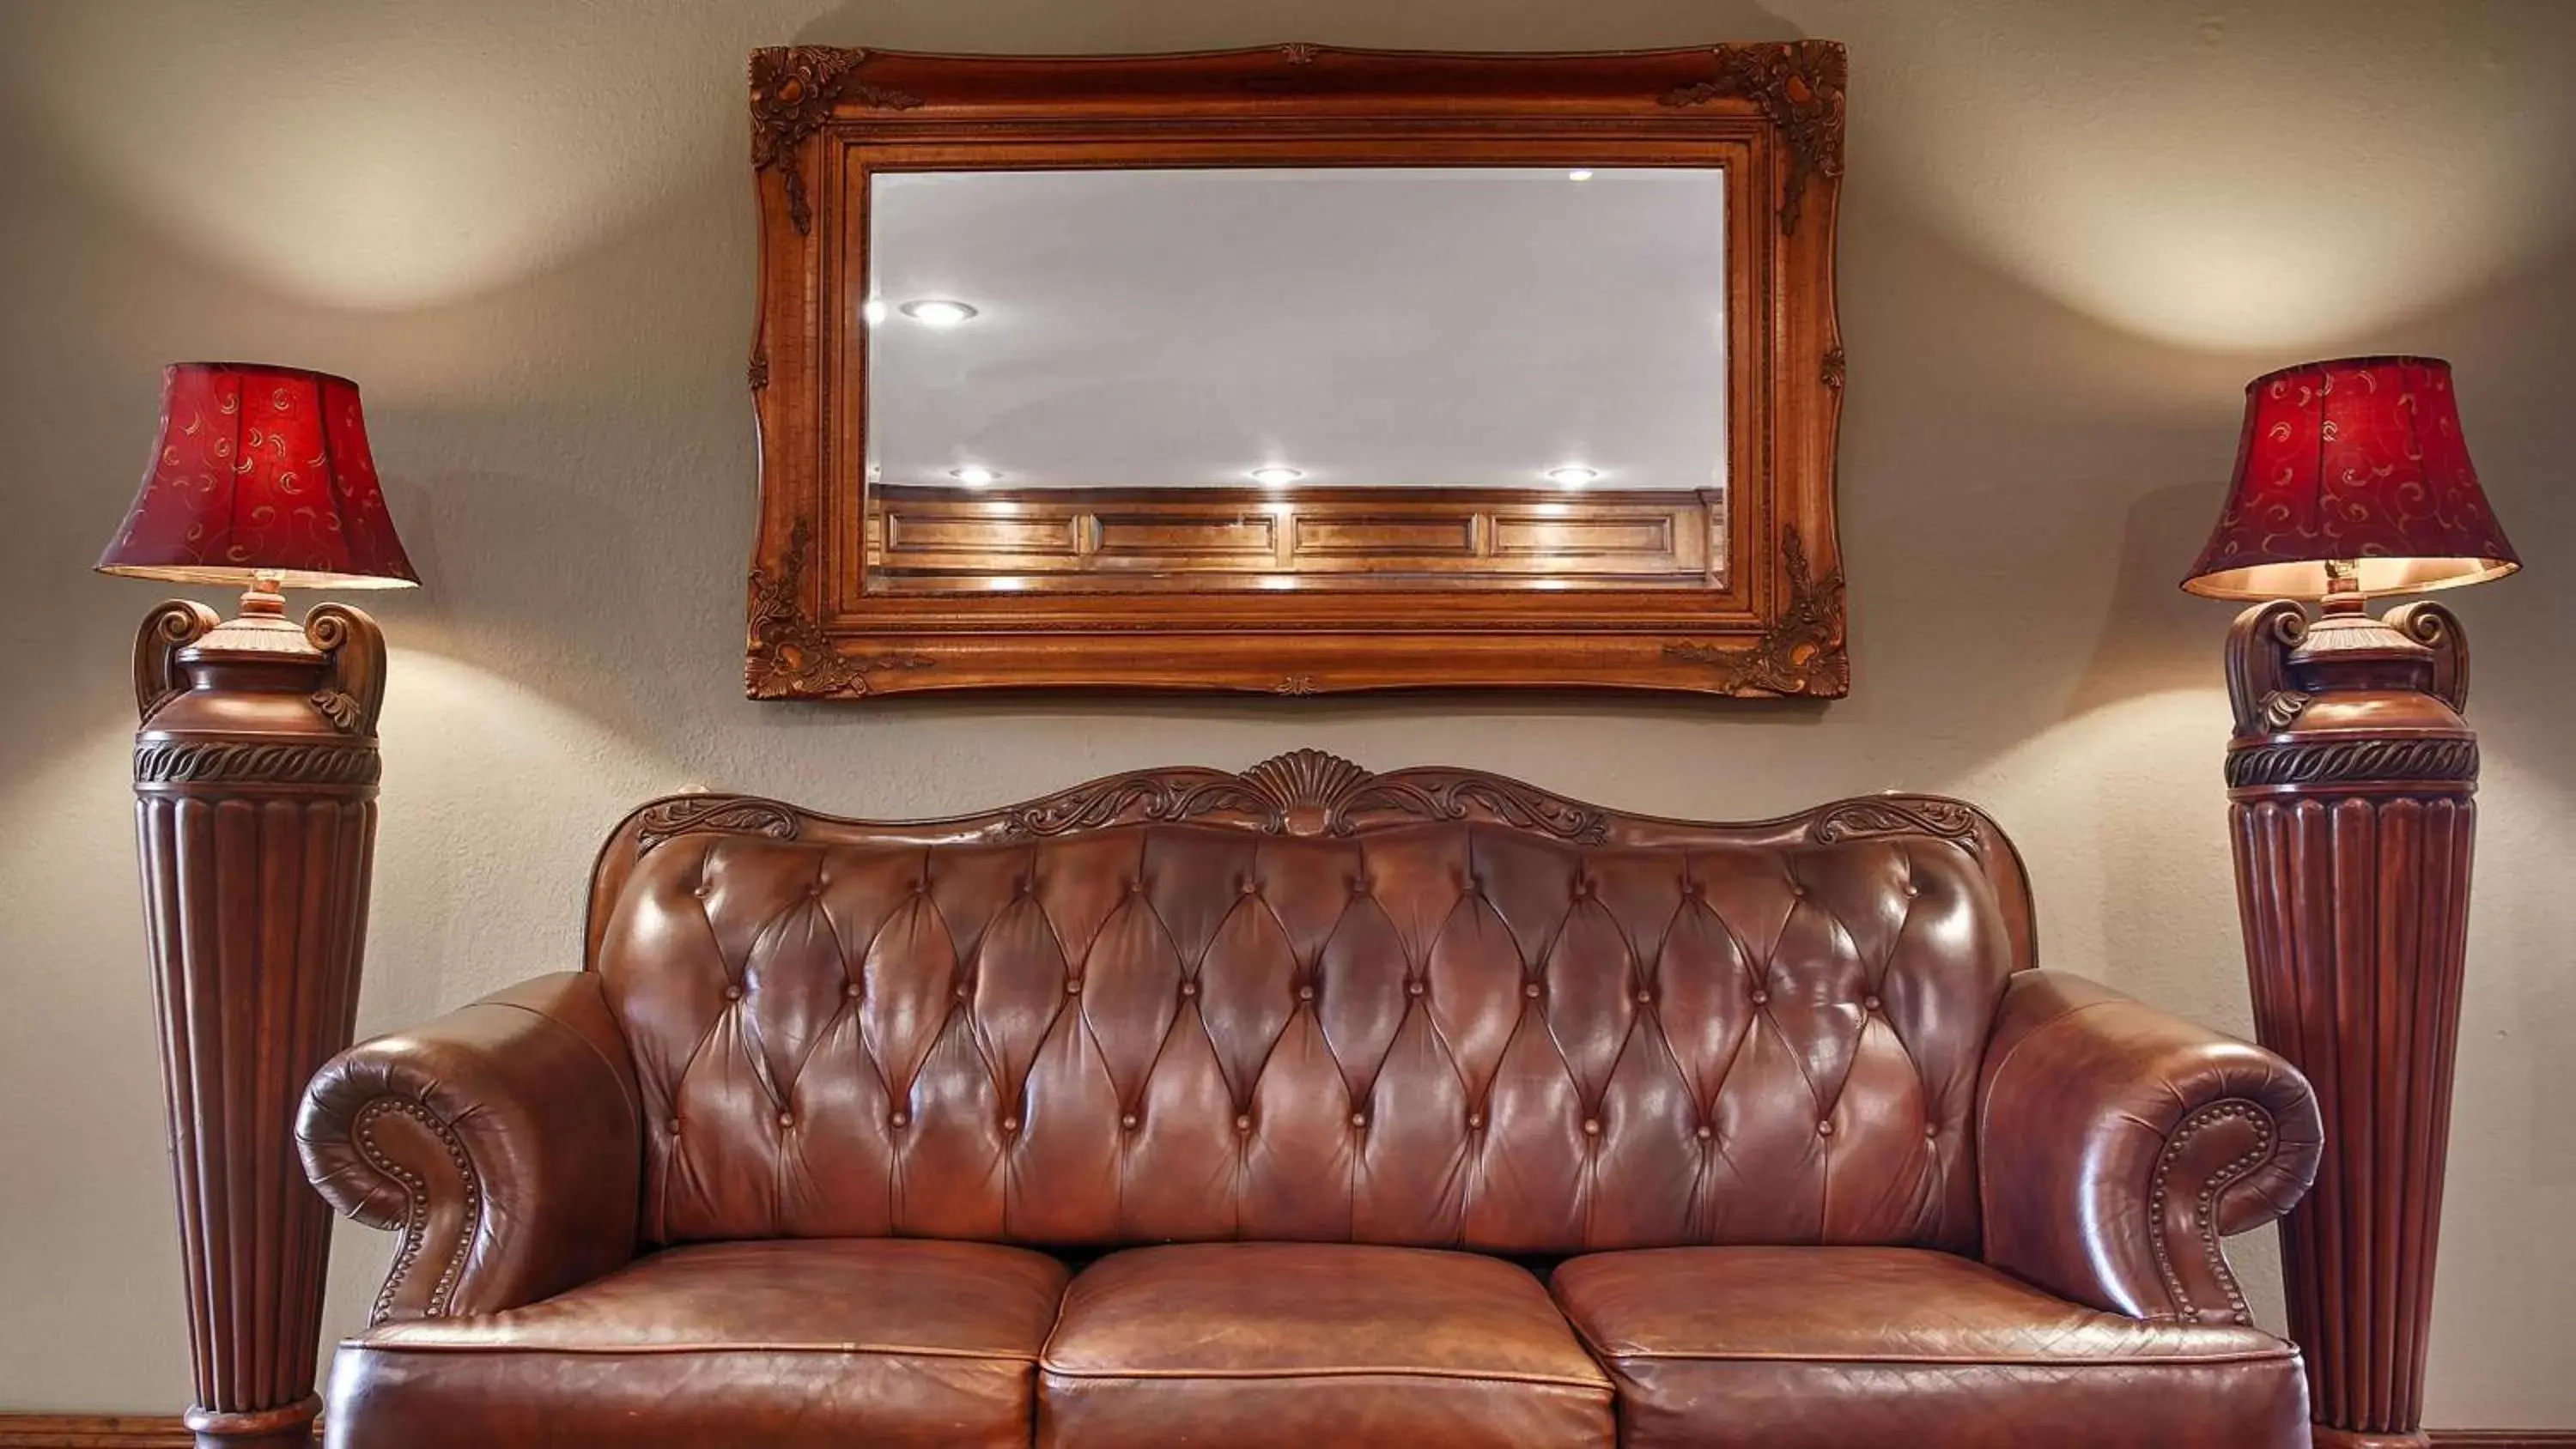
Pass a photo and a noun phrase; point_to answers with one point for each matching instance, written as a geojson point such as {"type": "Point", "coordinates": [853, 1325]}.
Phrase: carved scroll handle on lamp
{"type": "Point", "coordinates": [356, 693]}
{"type": "Point", "coordinates": [166, 630]}
{"type": "Point", "coordinates": [2438, 629]}
{"type": "Point", "coordinates": [2267, 644]}
{"type": "Point", "coordinates": [2259, 689]}
{"type": "Point", "coordinates": [351, 697]}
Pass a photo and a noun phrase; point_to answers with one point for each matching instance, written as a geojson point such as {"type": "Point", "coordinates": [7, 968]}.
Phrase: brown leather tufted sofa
{"type": "Point", "coordinates": [1311, 1107]}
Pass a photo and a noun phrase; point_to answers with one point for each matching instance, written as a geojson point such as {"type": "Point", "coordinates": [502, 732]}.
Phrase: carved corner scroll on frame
{"type": "Point", "coordinates": [869, 578]}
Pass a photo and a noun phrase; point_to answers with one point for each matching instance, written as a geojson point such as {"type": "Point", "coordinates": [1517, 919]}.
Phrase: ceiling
{"type": "Point", "coordinates": [1177, 328]}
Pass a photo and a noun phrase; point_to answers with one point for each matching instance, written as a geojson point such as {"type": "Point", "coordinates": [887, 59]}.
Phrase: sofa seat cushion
{"type": "Point", "coordinates": [1824, 1348]}
{"type": "Point", "coordinates": [1247, 1345]}
{"type": "Point", "coordinates": [746, 1345]}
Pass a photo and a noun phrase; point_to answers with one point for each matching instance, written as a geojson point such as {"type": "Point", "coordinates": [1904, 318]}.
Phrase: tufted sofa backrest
{"type": "Point", "coordinates": [1463, 1027]}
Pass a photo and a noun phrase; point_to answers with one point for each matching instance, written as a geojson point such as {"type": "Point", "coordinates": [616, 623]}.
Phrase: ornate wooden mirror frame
{"type": "Point", "coordinates": [1762, 612]}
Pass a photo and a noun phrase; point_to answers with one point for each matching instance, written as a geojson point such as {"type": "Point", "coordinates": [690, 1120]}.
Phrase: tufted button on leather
{"type": "Point", "coordinates": [1645, 997]}
{"type": "Point", "coordinates": [1475, 1121]}
{"type": "Point", "coordinates": [1582, 888]}
{"type": "Point", "coordinates": [1249, 887]}
{"type": "Point", "coordinates": [1189, 988]}
{"type": "Point", "coordinates": [899, 1119]}
{"type": "Point", "coordinates": [1359, 1119]}
{"type": "Point", "coordinates": [1591, 1126]}
{"type": "Point", "coordinates": [786, 1119]}
{"type": "Point", "coordinates": [963, 991]}
{"type": "Point", "coordinates": [1135, 887]}
{"type": "Point", "coordinates": [1027, 888]}
{"type": "Point", "coordinates": [1359, 885]}
{"type": "Point", "coordinates": [1010, 1124]}
{"type": "Point", "coordinates": [1931, 1130]}
{"type": "Point", "coordinates": [1797, 890]}
{"type": "Point", "coordinates": [1824, 1129]}
{"type": "Point", "coordinates": [703, 891]}
{"type": "Point", "coordinates": [1243, 1122]}
{"type": "Point", "coordinates": [850, 989]}
{"type": "Point", "coordinates": [1073, 986]}
{"type": "Point", "coordinates": [1705, 1132]}
{"type": "Point", "coordinates": [1305, 993]}
{"type": "Point", "coordinates": [733, 993]}
{"type": "Point", "coordinates": [1531, 990]}
{"type": "Point", "coordinates": [674, 1125]}
{"type": "Point", "coordinates": [1413, 988]}
{"type": "Point", "coordinates": [921, 887]}
{"type": "Point", "coordinates": [1761, 998]}
{"type": "Point", "coordinates": [1128, 1121]}
{"type": "Point", "coordinates": [1912, 890]}
{"type": "Point", "coordinates": [1472, 883]}
{"type": "Point", "coordinates": [1869, 1003]}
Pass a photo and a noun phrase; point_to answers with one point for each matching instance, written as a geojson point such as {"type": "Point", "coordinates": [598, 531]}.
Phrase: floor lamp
{"type": "Point", "coordinates": [255, 785]}
{"type": "Point", "coordinates": [2350, 779]}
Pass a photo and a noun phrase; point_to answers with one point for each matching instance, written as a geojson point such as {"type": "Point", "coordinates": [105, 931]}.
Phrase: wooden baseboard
{"type": "Point", "coordinates": [93, 1431]}
{"type": "Point", "coordinates": [136, 1431]}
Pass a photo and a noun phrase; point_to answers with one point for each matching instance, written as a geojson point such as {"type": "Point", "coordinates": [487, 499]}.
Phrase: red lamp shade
{"type": "Point", "coordinates": [2354, 461]}
{"type": "Point", "coordinates": [260, 471]}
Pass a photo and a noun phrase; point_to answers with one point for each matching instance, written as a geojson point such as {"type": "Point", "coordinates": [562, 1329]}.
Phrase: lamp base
{"type": "Point", "coordinates": [288, 1428]}
{"type": "Point", "coordinates": [255, 782]}
{"type": "Point", "coordinates": [2325, 1438]}
{"type": "Point", "coordinates": [2351, 780]}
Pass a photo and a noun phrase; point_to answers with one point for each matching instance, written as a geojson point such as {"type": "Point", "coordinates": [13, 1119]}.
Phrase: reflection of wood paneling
{"type": "Point", "coordinates": [1327, 532]}
{"type": "Point", "coordinates": [945, 539]}
{"type": "Point", "coordinates": [939, 531]}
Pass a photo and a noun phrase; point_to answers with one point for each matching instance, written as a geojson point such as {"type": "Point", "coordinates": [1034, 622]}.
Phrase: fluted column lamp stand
{"type": "Point", "coordinates": [2349, 780]}
{"type": "Point", "coordinates": [255, 784]}
{"type": "Point", "coordinates": [255, 788]}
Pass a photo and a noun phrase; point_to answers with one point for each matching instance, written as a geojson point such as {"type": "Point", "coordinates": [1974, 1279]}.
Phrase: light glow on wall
{"type": "Point", "coordinates": [381, 164]}
{"type": "Point", "coordinates": [2161, 168]}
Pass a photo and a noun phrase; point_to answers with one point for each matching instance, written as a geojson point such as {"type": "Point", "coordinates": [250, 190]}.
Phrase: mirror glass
{"type": "Point", "coordinates": [1095, 378]}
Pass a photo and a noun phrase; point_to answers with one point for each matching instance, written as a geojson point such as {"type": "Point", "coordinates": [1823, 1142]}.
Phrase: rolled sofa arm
{"type": "Point", "coordinates": [2117, 1144]}
{"type": "Point", "coordinates": [504, 1141]}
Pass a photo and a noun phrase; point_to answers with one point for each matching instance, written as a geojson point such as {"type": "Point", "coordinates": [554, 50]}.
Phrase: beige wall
{"type": "Point", "coordinates": [2071, 232]}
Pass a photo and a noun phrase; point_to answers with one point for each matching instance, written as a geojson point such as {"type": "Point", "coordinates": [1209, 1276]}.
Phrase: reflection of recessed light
{"type": "Point", "coordinates": [938, 311]}
{"type": "Point", "coordinates": [1579, 173]}
{"type": "Point", "coordinates": [974, 477]}
{"type": "Point", "coordinates": [1277, 474]}
{"type": "Point", "coordinates": [1572, 475]}
{"type": "Point", "coordinates": [874, 311]}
